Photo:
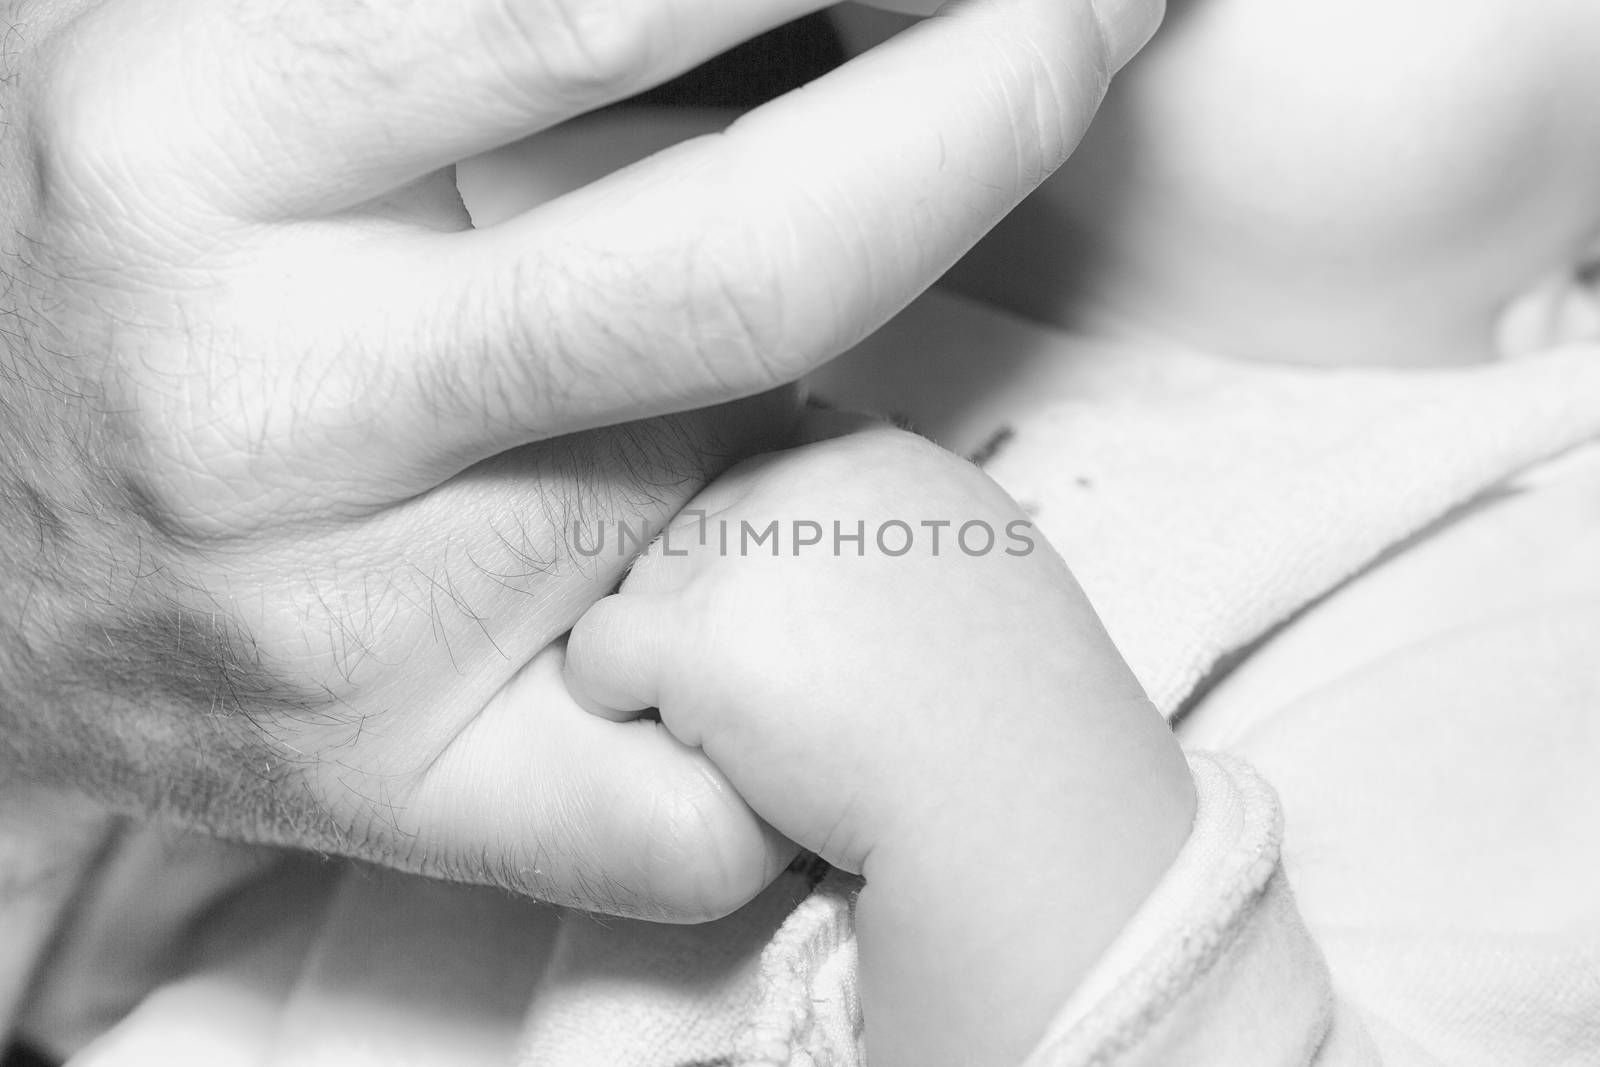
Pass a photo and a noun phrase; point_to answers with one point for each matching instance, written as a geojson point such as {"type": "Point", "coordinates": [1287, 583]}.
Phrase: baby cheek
{"type": "Point", "coordinates": [1291, 132]}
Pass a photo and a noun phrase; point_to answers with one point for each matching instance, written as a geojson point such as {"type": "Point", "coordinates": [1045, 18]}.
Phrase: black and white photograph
{"type": "Point", "coordinates": [778, 533]}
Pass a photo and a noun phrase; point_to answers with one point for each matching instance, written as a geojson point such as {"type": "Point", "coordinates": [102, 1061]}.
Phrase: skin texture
{"type": "Point", "coordinates": [1396, 184]}
{"type": "Point", "coordinates": [1307, 182]}
{"type": "Point", "coordinates": [954, 725]}
{"type": "Point", "coordinates": [1276, 181]}
{"type": "Point", "coordinates": [286, 490]}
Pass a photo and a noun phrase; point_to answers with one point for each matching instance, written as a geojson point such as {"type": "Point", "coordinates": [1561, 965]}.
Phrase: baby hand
{"type": "Point", "coordinates": [868, 638]}
{"type": "Point", "coordinates": [864, 634]}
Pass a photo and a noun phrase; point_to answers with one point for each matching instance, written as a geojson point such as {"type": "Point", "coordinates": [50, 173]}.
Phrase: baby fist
{"type": "Point", "coordinates": [866, 636]}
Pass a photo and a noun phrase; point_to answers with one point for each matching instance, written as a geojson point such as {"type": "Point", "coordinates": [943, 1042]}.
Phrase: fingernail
{"type": "Point", "coordinates": [1128, 26]}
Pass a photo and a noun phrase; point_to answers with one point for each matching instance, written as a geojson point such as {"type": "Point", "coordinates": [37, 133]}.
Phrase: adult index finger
{"type": "Point", "coordinates": [738, 261]}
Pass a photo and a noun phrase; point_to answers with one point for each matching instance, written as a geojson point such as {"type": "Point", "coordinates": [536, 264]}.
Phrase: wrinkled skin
{"type": "Point", "coordinates": [294, 457]}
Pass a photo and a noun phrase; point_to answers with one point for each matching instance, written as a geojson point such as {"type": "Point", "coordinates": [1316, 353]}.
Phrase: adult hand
{"type": "Point", "coordinates": [279, 539]}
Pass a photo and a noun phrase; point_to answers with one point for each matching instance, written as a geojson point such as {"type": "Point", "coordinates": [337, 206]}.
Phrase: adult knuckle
{"type": "Point", "coordinates": [590, 49]}
{"type": "Point", "coordinates": [72, 132]}
{"type": "Point", "coordinates": [78, 125]}
{"type": "Point", "coordinates": [150, 469]}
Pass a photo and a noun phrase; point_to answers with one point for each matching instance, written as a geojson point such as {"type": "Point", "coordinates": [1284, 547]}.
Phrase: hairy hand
{"type": "Point", "coordinates": [293, 456]}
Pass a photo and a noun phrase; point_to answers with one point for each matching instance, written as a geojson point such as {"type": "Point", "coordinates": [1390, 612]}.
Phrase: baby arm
{"type": "Point", "coordinates": [949, 721]}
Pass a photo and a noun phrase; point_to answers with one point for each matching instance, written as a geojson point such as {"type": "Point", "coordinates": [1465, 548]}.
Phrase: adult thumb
{"type": "Point", "coordinates": [543, 798]}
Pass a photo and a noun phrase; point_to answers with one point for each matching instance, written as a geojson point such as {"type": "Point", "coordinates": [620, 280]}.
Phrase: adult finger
{"type": "Point", "coordinates": [543, 798]}
{"type": "Point", "coordinates": [1127, 26]}
{"type": "Point", "coordinates": [738, 261]}
{"type": "Point", "coordinates": [300, 107]}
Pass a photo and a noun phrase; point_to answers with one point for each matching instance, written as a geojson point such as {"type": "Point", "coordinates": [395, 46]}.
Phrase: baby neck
{"type": "Point", "coordinates": [1039, 266]}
